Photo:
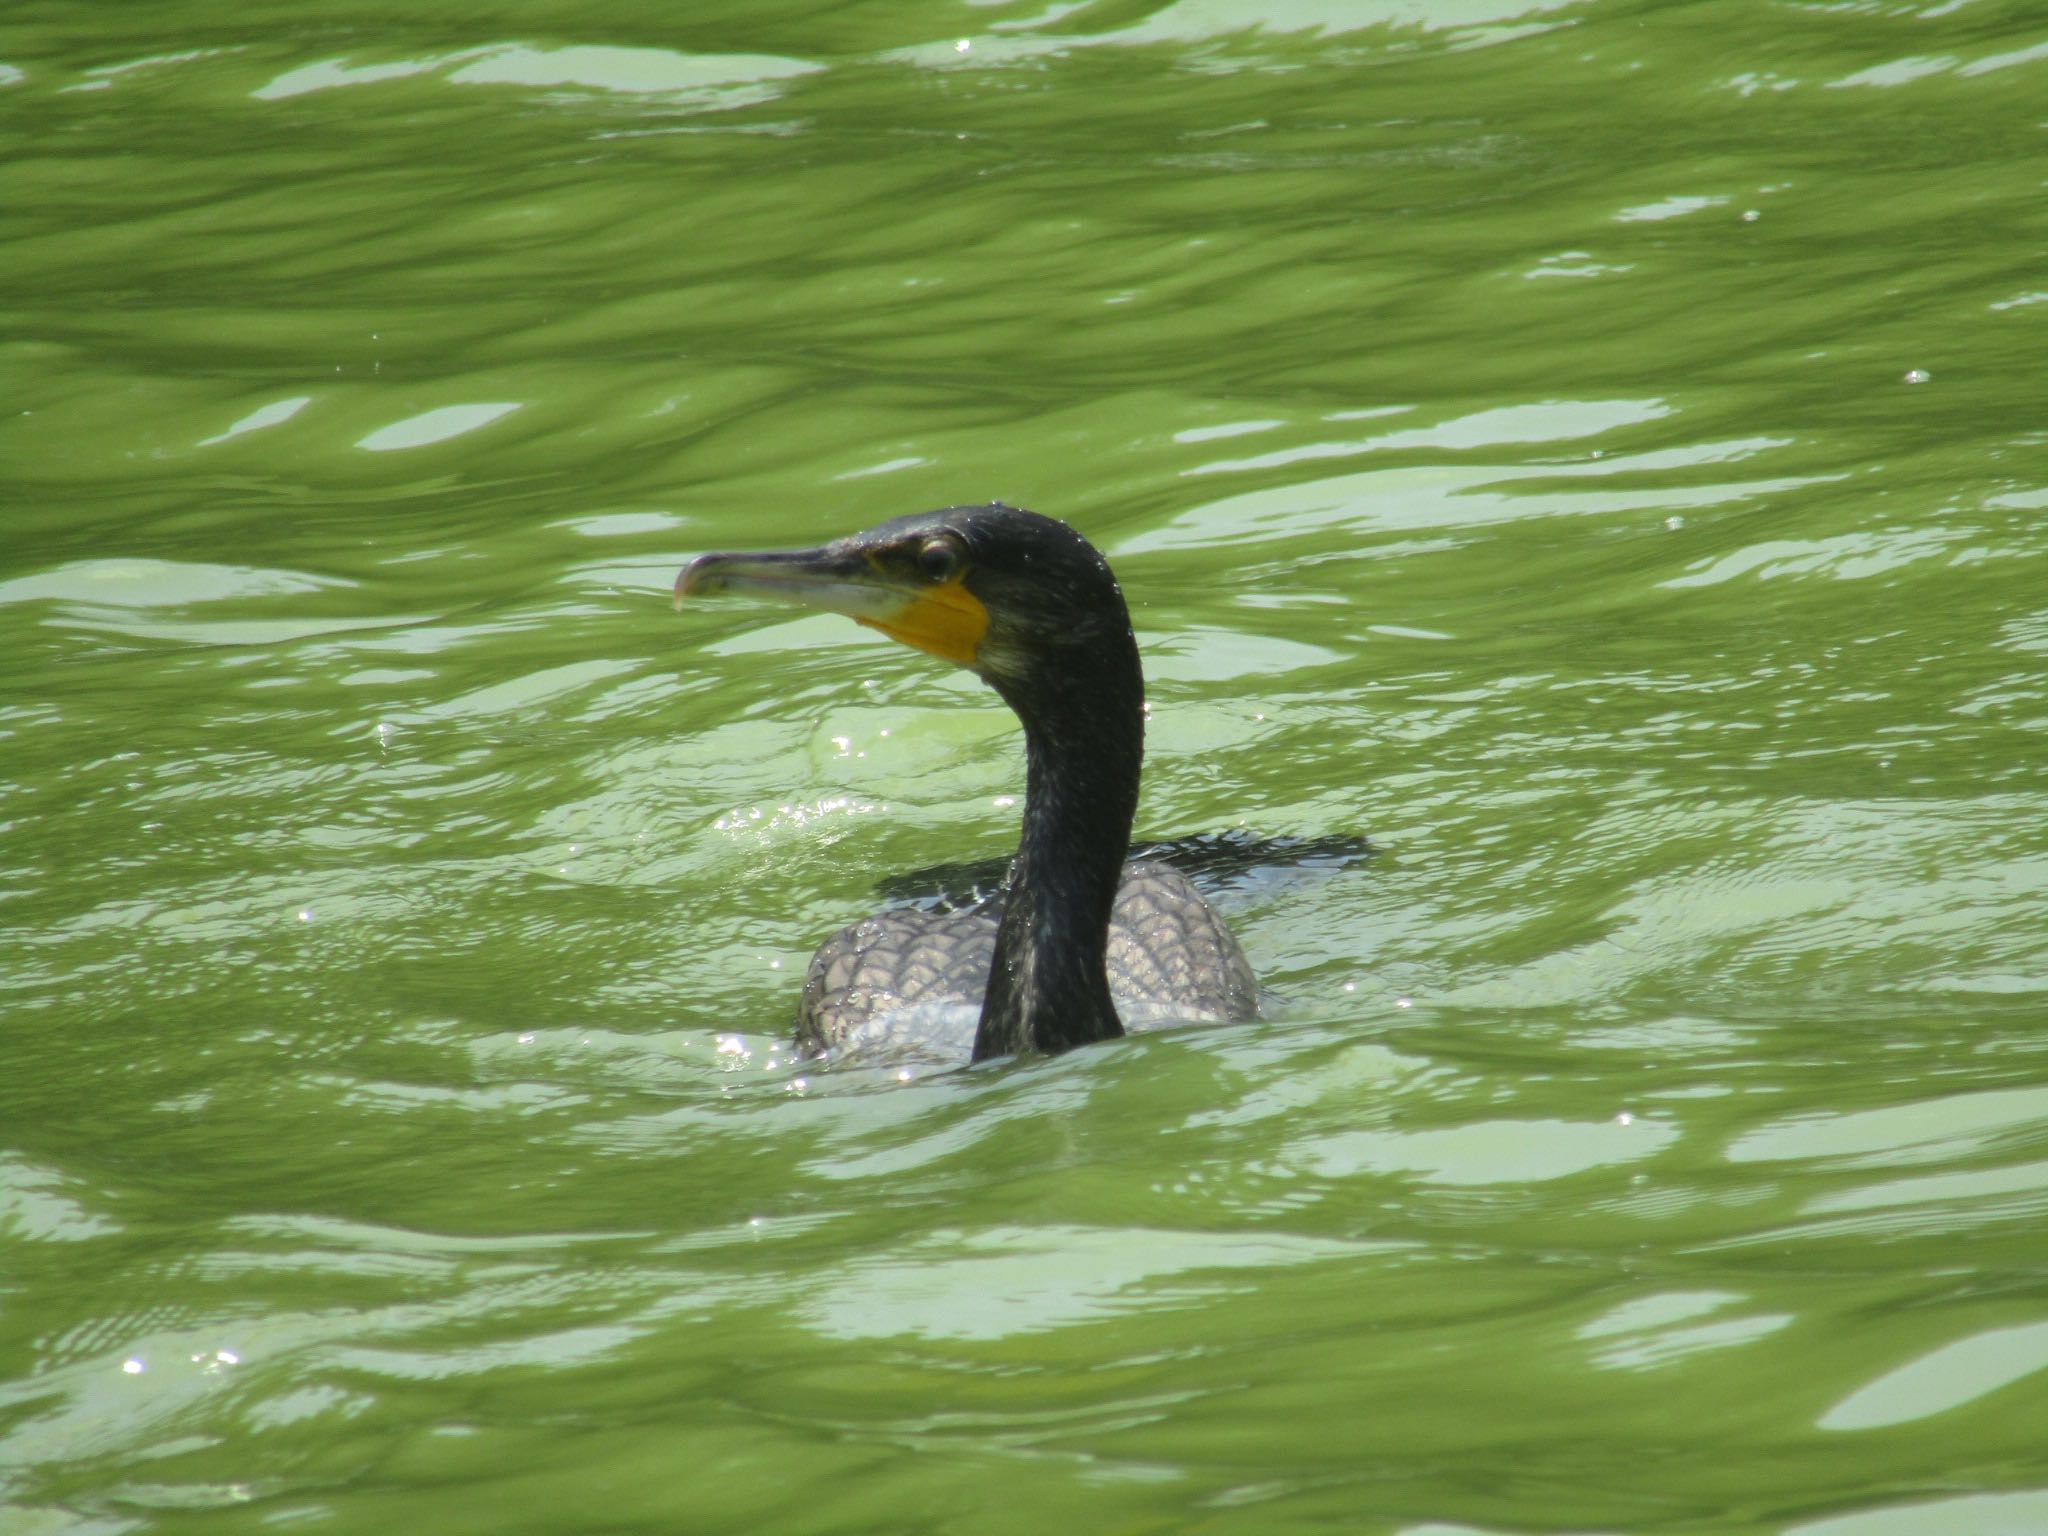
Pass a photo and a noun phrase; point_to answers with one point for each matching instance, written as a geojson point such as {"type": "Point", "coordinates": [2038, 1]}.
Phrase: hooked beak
{"type": "Point", "coordinates": [941, 618]}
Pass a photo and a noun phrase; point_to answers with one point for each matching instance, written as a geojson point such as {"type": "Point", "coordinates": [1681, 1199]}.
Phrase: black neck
{"type": "Point", "coordinates": [1084, 744]}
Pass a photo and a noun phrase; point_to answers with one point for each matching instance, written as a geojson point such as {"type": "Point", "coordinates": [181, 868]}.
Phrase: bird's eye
{"type": "Point", "coordinates": [939, 560]}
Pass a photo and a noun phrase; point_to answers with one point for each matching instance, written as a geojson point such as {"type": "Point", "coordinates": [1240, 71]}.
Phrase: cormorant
{"type": "Point", "coordinates": [1081, 943]}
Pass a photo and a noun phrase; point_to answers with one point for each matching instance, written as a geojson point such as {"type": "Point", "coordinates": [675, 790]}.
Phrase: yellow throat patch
{"type": "Point", "coordinates": [946, 621]}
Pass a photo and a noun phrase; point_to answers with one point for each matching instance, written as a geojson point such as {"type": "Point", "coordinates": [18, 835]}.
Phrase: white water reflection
{"type": "Point", "coordinates": [701, 78]}
{"type": "Point", "coordinates": [143, 583]}
{"type": "Point", "coordinates": [722, 80]}
{"type": "Point", "coordinates": [1932, 1131]}
{"type": "Point", "coordinates": [1486, 1151]}
{"type": "Point", "coordinates": [1970, 1514]}
{"type": "Point", "coordinates": [1007, 1281]}
{"type": "Point", "coordinates": [1541, 421]}
{"type": "Point", "coordinates": [437, 426]}
{"type": "Point", "coordinates": [271, 415]}
{"type": "Point", "coordinates": [1944, 1378]}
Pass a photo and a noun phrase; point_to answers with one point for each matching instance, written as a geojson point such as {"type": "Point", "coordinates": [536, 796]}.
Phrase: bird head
{"type": "Point", "coordinates": [1018, 598]}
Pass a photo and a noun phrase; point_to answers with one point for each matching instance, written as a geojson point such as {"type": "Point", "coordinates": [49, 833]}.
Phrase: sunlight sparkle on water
{"type": "Point", "coordinates": [785, 816]}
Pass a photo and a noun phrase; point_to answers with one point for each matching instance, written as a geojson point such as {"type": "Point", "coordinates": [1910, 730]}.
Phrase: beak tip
{"type": "Point", "coordinates": [692, 580]}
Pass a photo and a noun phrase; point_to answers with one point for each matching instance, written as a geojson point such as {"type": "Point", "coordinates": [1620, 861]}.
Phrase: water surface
{"type": "Point", "coordinates": [1594, 450]}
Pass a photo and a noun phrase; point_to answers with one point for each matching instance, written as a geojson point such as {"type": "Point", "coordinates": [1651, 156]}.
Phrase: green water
{"type": "Point", "coordinates": [1508, 419]}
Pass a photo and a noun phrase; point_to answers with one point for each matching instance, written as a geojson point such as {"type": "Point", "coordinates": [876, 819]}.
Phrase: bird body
{"type": "Point", "coordinates": [906, 981]}
{"type": "Point", "coordinates": [1081, 943]}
